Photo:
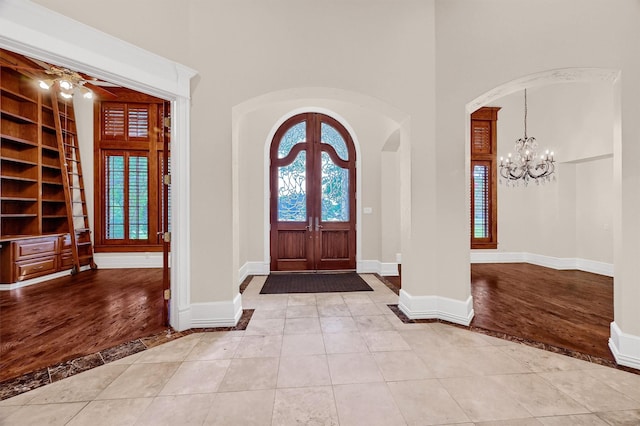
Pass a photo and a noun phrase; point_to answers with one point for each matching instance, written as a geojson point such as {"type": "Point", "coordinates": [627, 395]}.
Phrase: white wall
{"type": "Point", "coordinates": [572, 216]}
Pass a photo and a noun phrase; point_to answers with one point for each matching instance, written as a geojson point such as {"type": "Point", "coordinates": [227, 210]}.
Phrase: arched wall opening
{"type": "Point", "coordinates": [580, 162]}
{"type": "Point", "coordinates": [370, 123]}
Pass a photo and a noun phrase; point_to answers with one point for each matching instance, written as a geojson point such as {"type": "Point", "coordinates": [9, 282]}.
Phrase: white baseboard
{"type": "Point", "coordinates": [128, 260]}
{"type": "Point", "coordinates": [216, 314]}
{"type": "Point", "coordinates": [253, 268]}
{"type": "Point", "coordinates": [625, 347]}
{"type": "Point", "coordinates": [560, 263]}
{"type": "Point", "coordinates": [436, 307]}
{"type": "Point", "coordinates": [376, 267]}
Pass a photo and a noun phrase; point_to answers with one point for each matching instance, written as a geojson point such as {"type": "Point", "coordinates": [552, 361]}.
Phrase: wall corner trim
{"type": "Point", "coordinates": [216, 314]}
{"type": "Point", "coordinates": [625, 347]}
{"type": "Point", "coordinates": [437, 307]}
{"type": "Point", "coordinates": [387, 269]}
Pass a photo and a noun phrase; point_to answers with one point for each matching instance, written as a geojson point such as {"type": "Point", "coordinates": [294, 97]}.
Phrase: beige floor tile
{"type": "Point", "coordinates": [81, 387]}
{"type": "Point", "coordinates": [302, 344]}
{"type": "Point", "coordinates": [421, 337]}
{"type": "Point", "coordinates": [250, 374]}
{"type": "Point", "coordinates": [381, 341]}
{"type": "Point", "coordinates": [483, 399]}
{"type": "Point", "coordinates": [140, 380]}
{"type": "Point", "coordinates": [622, 381]}
{"type": "Point", "coordinates": [455, 336]}
{"type": "Point", "coordinates": [263, 327]}
{"type": "Point", "coordinates": [368, 404]}
{"type": "Point", "coordinates": [301, 325]}
{"type": "Point", "coordinates": [341, 343]}
{"type": "Point", "coordinates": [627, 417]}
{"type": "Point", "coordinates": [468, 361]}
{"type": "Point", "coordinates": [402, 365]}
{"type": "Point", "coordinates": [43, 415]}
{"type": "Point", "coordinates": [353, 368]}
{"type": "Point", "coordinates": [323, 299]}
{"type": "Point", "coordinates": [196, 377]}
{"type": "Point", "coordinates": [259, 347]}
{"type": "Point", "coordinates": [356, 298]}
{"type": "Point", "coordinates": [301, 299]}
{"type": "Point", "coordinates": [176, 410]}
{"type": "Point", "coordinates": [539, 360]}
{"type": "Point", "coordinates": [359, 309]}
{"type": "Point", "coordinates": [247, 408]}
{"type": "Point", "coordinates": [7, 410]}
{"type": "Point", "coordinates": [210, 349]}
{"type": "Point", "coordinates": [303, 371]}
{"type": "Point", "coordinates": [273, 301]}
{"type": "Point", "coordinates": [305, 406]}
{"type": "Point", "coordinates": [338, 325]}
{"type": "Point", "coordinates": [174, 351]}
{"type": "Point", "coordinates": [512, 422]}
{"type": "Point", "coordinates": [426, 402]}
{"type": "Point", "coordinates": [23, 398]}
{"type": "Point", "coordinates": [113, 412]}
{"type": "Point", "coordinates": [340, 310]}
{"type": "Point", "coordinates": [447, 362]}
{"type": "Point", "coordinates": [538, 396]}
{"type": "Point", "coordinates": [593, 393]}
{"type": "Point", "coordinates": [128, 360]}
{"type": "Point", "coordinates": [367, 323]}
{"type": "Point", "coordinates": [268, 313]}
{"type": "Point", "coordinates": [577, 420]}
{"type": "Point", "coordinates": [302, 311]}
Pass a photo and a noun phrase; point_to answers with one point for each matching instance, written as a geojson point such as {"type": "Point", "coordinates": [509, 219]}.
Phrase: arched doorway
{"type": "Point", "coordinates": [313, 195]}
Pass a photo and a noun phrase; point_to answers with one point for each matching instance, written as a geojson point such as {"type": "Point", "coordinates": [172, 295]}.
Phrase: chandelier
{"type": "Point", "coordinates": [66, 81]}
{"type": "Point", "coordinates": [526, 164]}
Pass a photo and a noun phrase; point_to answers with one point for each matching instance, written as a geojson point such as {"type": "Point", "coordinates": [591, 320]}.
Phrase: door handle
{"type": "Point", "coordinates": [310, 225]}
{"type": "Point", "coordinates": [318, 226]}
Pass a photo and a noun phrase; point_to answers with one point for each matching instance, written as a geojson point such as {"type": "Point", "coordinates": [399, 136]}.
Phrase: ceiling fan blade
{"type": "Point", "coordinates": [100, 91]}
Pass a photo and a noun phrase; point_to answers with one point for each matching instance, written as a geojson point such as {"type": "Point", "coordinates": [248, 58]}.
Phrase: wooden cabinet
{"type": "Point", "coordinates": [26, 258]}
{"type": "Point", "coordinates": [40, 177]}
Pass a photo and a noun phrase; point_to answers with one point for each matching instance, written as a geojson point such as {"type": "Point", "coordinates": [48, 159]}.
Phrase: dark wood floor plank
{"type": "Point", "coordinates": [68, 317]}
{"type": "Point", "coordinates": [567, 309]}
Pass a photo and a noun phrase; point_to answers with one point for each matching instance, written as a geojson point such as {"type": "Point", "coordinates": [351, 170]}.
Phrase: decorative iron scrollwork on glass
{"type": "Point", "coordinates": [295, 135]}
{"type": "Point", "coordinates": [335, 191]}
{"type": "Point", "coordinates": [332, 137]}
{"type": "Point", "coordinates": [292, 190]}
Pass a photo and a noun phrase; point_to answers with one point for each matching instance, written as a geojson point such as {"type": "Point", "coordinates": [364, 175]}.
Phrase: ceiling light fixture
{"type": "Point", "coordinates": [527, 165]}
{"type": "Point", "coordinates": [67, 82]}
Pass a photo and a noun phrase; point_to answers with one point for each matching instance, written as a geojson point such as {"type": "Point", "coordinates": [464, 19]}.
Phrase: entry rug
{"type": "Point", "coordinates": [314, 283]}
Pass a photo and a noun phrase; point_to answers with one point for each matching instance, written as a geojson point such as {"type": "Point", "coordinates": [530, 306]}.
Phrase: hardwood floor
{"type": "Point", "coordinates": [65, 318]}
{"type": "Point", "coordinates": [567, 309]}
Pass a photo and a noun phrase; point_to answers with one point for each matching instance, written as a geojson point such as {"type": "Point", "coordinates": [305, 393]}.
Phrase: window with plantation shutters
{"type": "Point", "coordinates": [484, 201]}
{"type": "Point", "coordinates": [128, 188]}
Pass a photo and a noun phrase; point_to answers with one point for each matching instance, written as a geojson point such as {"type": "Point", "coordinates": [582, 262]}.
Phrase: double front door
{"type": "Point", "coordinates": [313, 189]}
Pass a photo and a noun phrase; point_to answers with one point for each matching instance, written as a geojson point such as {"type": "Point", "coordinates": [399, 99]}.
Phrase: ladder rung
{"type": "Point", "coordinates": [76, 187]}
{"type": "Point", "coordinates": [87, 243]}
{"type": "Point", "coordinates": [71, 159]}
{"type": "Point", "coordinates": [82, 230]}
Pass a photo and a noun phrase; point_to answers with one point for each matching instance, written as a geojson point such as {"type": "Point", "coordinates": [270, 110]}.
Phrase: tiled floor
{"type": "Point", "coordinates": [329, 359]}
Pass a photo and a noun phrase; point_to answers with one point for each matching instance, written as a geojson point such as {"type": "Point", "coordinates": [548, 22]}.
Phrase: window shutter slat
{"type": "Point", "coordinates": [113, 121]}
{"type": "Point", "coordinates": [138, 126]}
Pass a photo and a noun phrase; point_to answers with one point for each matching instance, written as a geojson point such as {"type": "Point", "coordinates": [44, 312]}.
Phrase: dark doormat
{"type": "Point", "coordinates": [314, 283]}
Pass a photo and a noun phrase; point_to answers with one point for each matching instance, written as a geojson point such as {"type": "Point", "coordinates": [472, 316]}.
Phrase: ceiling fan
{"type": "Point", "coordinates": [65, 80]}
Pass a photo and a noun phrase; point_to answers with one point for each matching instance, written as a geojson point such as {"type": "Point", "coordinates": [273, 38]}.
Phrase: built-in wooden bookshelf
{"type": "Point", "coordinates": [40, 179]}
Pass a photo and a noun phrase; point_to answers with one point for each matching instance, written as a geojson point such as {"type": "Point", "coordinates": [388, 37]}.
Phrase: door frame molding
{"type": "Point", "coordinates": [266, 180]}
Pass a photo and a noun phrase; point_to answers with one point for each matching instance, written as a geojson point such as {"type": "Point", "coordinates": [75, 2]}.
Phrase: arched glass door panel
{"type": "Point", "coordinates": [312, 186]}
{"type": "Point", "coordinates": [335, 191]}
{"type": "Point", "coordinates": [292, 190]}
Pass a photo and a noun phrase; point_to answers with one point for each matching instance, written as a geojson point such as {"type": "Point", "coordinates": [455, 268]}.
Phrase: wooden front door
{"type": "Point", "coordinates": [313, 189]}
